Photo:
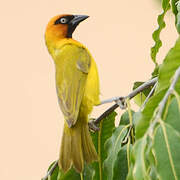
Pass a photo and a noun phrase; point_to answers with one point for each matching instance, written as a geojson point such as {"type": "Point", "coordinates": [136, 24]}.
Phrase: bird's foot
{"type": "Point", "coordinates": [92, 126]}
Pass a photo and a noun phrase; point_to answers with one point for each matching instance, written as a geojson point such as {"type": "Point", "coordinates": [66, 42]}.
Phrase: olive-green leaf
{"type": "Point", "coordinates": [120, 169]}
{"type": "Point", "coordinates": [113, 146]}
{"type": "Point", "coordinates": [155, 73]}
{"type": "Point", "coordinates": [88, 174]}
{"type": "Point", "coordinates": [124, 120]}
{"type": "Point", "coordinates": [173, 115]}
{"type": "Point", "coordinates": [156, 33]}
{"type": "Point", "coordinates": [71, 174]}
{"type": "Point", "coordinates": [143, 119]}
{"type": "Point", "coordinates": [167, 152]}
{"type": "Point", "coordinates": [176, 10]}
{"type": "Point", "coordinates": [174, 6]}
{"type": "Point", "coordinates": [138, 169]}
{"type": "Point", "coordinates": [106, 128]}
{"type": "Point", "coordinates": [58, 174]}
{"type": "Point", "coordinates": [140, 98]}
{"type": "Point", "coordinates": [168, 68]}
{"type": "Point", "coordinates": [178, 17]}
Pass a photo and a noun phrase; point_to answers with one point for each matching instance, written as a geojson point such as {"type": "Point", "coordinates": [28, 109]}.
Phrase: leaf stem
{"type": "Point", "coordinates": [128, 152]}
{"type": "Point", "coordinates": [130, 121]}
{"type": "Point", "coordinates": [99, 152]}
{"type": "Point", "coordinates": [81, 174]}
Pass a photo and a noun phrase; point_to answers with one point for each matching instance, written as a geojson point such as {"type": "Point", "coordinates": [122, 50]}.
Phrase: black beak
{"type": "Point", "coordinates": [74, 23]}
{"type": "Point", "coordinates": [77, 19]}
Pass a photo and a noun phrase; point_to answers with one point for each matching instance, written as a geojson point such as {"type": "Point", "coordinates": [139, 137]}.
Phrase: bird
{"type": "Point", "coordinates": [77, 86]}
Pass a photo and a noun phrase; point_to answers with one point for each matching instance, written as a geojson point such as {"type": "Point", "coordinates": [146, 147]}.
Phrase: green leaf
{"type": "Point", "coordinates": [167, 152]}
{"type": "Point", "coordinates": [113, 146]}
{"type": "Point", "coordinates": [140, 98]}
{"type": "Point", "coordinates": [174, 6]}
{"type": "Point", "coordinates": [58, 174]}
{"type": "Point", "coordinates": [178, 17]}
{"type": "Point", "coordinates": [88, 174]}
{"type": "Point", "coordinates": [156, 33]}
{"type": "Point", "coordinates": [106, 128]}
{"type": "Point", "coordinates": [138, 168]}
{"type": "Point", "coordinates": [136, 117]}
{"type": "Point", "coordinates": [155, 73]}
{"type": "Point", "coordinates": [143, 119]}
{"type": "Point", "coordinates": [124, 120]}
{"type": "Point", "coordinates": [176, 10]}
{"type": "Point", "coordinates": [168, 68]}
{"type": "Point", "coordinates": [71, 174]}
{"type": "Point", "coordinates": [173, 115]}
{"type": "Point", "coordinates": [120, 169]}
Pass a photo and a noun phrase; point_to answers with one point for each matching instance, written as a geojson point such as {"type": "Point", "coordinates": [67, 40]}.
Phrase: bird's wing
{"type": "Point", "coordinates": [72, 67]}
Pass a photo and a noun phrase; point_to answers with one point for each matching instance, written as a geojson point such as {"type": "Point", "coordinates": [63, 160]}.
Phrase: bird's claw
{"type": "Point", "coordinates": [92, 126]}
{"type": "Point", "coordinates": [121, 101]}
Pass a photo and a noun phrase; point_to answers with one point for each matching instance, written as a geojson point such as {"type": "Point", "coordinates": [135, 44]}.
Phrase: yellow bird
{"type": "Point", "coordinates": [77, 84]}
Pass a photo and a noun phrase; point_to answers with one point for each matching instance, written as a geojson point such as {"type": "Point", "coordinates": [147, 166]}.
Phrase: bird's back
{"type": "Point", "coordinates": [70, 54]}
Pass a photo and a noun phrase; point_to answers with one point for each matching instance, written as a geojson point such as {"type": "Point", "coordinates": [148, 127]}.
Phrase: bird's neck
{"type": "Point", "coordinates": [53, 37]}
{"type": "Point", "coordinates": [56, 42]}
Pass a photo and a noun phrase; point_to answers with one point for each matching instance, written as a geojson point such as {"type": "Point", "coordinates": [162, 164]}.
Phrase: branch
{"type": "Point", "coordinates": [122, 99]}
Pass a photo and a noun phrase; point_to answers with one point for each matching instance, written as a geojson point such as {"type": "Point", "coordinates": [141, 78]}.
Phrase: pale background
{"type": "Point", "coordinates": [118, 34]}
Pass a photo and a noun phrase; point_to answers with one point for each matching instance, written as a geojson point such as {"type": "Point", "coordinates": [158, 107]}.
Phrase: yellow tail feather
{"type": "Point", "coordinates": [76, 147]}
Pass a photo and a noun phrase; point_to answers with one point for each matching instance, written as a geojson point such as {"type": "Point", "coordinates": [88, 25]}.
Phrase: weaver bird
{"type": "Point", "coordinates": [77, 84]}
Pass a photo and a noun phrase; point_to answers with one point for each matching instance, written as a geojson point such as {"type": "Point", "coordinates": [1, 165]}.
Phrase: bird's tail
{"type": "Point", "coordinates": [76, 147]}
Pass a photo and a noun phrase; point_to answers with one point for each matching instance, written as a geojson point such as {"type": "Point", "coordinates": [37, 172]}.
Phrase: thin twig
{"type": "Point", "coordinates": [49, 173]}
{"type": "Point", "coordinates": [127, 136]}
{"type": "Point", "coordinates": [149, 95]}
{"type": "Point", "coordinates": [130, 121]}
{"type": "Point", "coordinates": [130, 96]}
{"type": "Point", "coordinates": [106, 113]}
{"type": "Point", "coordinates": [142, 87]}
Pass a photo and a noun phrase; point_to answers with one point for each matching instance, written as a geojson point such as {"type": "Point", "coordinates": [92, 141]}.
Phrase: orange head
{"type": "Point", "coordinates": [62, 26]}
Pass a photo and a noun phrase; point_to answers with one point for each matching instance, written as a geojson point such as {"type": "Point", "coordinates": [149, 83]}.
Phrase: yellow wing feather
{"type": "Point", "coordinates": [72, 67]}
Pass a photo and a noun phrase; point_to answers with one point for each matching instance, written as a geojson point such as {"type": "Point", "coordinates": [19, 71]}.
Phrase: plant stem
{"type": "Point", "coordinates": [130, 121]}
{"type": "Point", "coordinates": [81, 174]}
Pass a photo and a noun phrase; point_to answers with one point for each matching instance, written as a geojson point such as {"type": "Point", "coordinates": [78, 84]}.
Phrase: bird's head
{"type": "Point", "coordinates": [62, 26]}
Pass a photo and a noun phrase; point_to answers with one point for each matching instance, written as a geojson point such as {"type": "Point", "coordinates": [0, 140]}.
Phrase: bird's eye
{"type": "Point", "coordinates": [63, 20]}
